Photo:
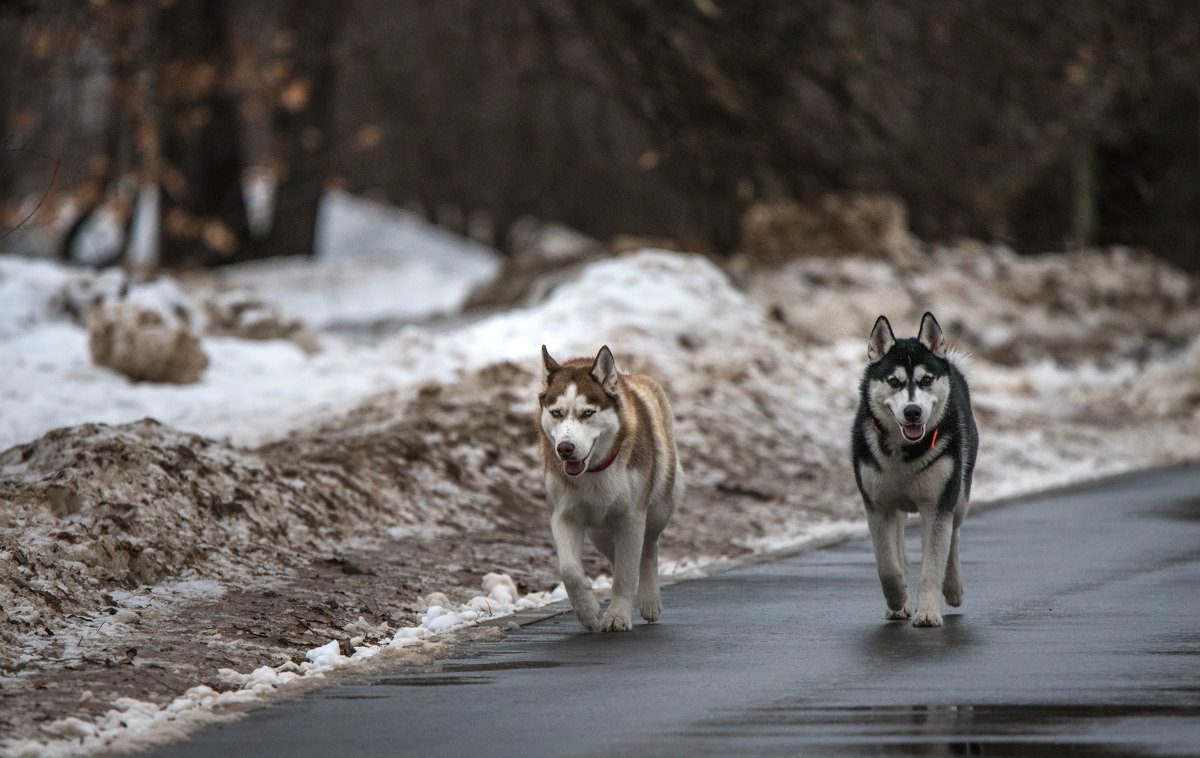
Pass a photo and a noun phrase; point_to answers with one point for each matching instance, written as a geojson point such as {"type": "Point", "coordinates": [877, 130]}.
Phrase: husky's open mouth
{"type": "Point", "coordinates": [574, 468]}
{"type": "Point", "coordinates": [913, 432]}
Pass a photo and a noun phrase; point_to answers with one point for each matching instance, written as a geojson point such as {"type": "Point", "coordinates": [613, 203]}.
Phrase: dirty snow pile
{"type": "Point", "coordinates": [133, 724]}
{"type": "Point", "coordinates": [375, 428]}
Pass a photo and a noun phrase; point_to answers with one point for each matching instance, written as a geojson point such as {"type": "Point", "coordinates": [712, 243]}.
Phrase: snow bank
{"type": "Point", "coordinates": [28, 289]}
{"type": "Point", "coordinates": [642, 304]}
{"type": "Point", "coordinates": [373, 263]}
{"type": "Point", "coordinates": [133, 724]}
{"type": "Point", "coordinates": [256, 391]}
{"type": "Point", "coordinates": [772, 367]}
{"type": "Point", "coordinates": [769, 367]}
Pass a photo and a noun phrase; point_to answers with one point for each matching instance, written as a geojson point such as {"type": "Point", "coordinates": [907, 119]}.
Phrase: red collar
{"type": "Point", "coordinates": [931, 442]}
{"type": "Point", "coordinates": [609, 462]}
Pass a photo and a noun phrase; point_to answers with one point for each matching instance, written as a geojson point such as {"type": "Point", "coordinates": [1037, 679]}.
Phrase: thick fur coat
{"type": "Point", "coordinates": [612, 474]}
{"type": "Point", "coordinates": [913, 448]}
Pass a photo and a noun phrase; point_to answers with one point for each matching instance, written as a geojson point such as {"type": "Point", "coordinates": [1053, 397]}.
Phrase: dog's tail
{"type": "Point", "coordinates": [961, 360]}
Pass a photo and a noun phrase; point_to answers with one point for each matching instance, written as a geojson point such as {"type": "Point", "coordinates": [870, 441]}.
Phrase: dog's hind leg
{"type": "Point", "coordinates": [649, 596]}
{"type": "Point", "coordinates": [901, 550]}
{"type": "Point", "coordinates": [937, 534]}
{"type": "Point", "coordinates": [568, 541]}
{"type": "Point", "coordinates": [952, 586]}
{"type": "Point", "coordinates": [603, 540]}
{"type": "Point", "coordinates": [891, 563]}
{"type": "Point", "coordinates": [628, 535]}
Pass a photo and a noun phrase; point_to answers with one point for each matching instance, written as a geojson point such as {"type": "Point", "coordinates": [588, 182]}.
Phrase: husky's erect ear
{"type": "Point", "coordinates": [881, 340]}
{"type": "Point", "coordinates": [604, 370]}
{"type": "Point", "coordinates": [931, 335]}
{"type": "Point", "coordinates": [547, 362]}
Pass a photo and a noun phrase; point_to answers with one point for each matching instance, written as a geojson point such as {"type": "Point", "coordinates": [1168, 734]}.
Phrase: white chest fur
{"type": "Point", "coordinates": [906, 485]}
{"type": "Point", "coordinates": [594, 498]}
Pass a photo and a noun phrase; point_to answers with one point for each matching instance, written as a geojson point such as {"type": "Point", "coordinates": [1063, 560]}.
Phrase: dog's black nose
{"type": "Point", "coordinates": [912, 413]}
{"type": "Point", "coordinates": [566, 449]}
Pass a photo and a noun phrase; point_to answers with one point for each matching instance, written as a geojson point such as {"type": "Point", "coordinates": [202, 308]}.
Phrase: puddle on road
{"type": "Point", "coordinates": [451, 673]}
{"type": "Point", "coordinates": [424, 680]}
{"type": "Point", "coordinates": [1187, 510]}
{"type": "Point", "coordinates": [502, 666]}
{"type": "Point", "coordinates": [1003, 730]}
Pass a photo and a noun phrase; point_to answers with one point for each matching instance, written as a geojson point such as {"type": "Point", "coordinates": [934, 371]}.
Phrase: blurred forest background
{"type": "Point", "coordinates": [1045, 125]}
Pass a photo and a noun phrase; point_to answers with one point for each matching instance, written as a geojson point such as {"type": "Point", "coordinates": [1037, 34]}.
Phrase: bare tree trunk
{"type": "Point", "coordinates": [203, 211]}
{"type": "Point", "coordinates": [10, 33]}
{"type": "Point", "coordinates": [1083, 194]}
{"type": "Point", "coordinates": [117, 23]}
{"type": "Point", "coordinates": [301, 150]}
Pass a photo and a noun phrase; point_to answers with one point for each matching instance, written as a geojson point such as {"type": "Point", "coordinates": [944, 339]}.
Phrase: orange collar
{"type": "Point", "coordinates": [931, 442]}
{"type": "Point", "coordinates": [609, 462]}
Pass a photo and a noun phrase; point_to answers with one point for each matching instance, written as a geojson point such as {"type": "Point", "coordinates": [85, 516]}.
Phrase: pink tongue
{"type": "Point", "coordinates": [574, 468]}
{"type": "Point", "coordinates": [914, 431]}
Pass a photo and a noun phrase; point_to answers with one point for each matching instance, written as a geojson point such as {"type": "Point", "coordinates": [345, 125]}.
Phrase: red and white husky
{"type": "Point", "coordinates": [612, 473]}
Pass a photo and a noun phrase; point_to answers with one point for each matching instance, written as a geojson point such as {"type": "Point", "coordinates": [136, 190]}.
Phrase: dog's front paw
{"type": "Point", "coordinates": [928, 618]}
{"type": "Point", "coordinates": [899, 615]}
{"type": "Point", "coordinates": [618, 621]}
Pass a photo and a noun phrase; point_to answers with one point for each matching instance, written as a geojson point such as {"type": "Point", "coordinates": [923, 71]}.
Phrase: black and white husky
{"type": "Point", "coordinates": [913, 447]}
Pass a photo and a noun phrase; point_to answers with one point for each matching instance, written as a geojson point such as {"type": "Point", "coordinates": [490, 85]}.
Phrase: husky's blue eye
{"type": "Point", "coordinates": [895, 383]}
{"type": "Point", "coordinates": [556, 413]}
{"type": "Point", "coordinates": [588, 413]}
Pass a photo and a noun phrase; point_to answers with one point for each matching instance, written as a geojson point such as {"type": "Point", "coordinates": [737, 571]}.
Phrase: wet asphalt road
{"type": "Point", "coordinates": [1079, 635]}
